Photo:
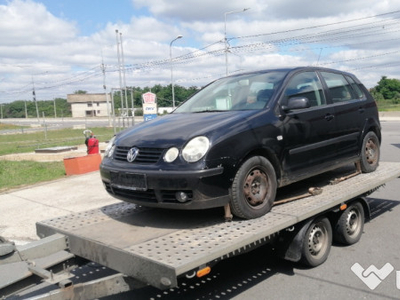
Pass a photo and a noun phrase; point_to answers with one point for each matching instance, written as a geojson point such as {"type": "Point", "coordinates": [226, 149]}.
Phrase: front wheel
{"type": "Point", "coordinates": [370, 153]}
{"type": "Point", "coordinates": [254, 188]}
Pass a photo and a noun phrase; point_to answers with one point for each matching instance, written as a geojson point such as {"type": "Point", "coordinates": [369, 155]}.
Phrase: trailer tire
{"type": "Point", "coordinates": [370, 153]}
{"type": "Point", "coordinates": [254, 188]}
{"type": "Point", "coordinates": [317, 242]}
{"type": "Point", "coordinates": [350, 225]}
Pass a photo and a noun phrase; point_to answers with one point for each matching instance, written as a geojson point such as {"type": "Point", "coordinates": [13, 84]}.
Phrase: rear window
{"type": "Point", "coordinates": [339, 88]}
{"type": "Point", "coordinates": [358, 92]}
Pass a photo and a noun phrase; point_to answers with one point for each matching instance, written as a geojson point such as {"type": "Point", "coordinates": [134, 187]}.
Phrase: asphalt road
{"type": "Point", "coordinates": [261, 275]}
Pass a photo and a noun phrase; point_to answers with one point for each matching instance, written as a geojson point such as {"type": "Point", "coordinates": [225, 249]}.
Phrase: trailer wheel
{"type": "Point", "coordinates": [254, 188]}
{"type": "Point", "coordinates": [350, 225]}
{"type": "Point", "coordinates": [317, 242]}
{"type": "Point", "coordinates": [370, 153]}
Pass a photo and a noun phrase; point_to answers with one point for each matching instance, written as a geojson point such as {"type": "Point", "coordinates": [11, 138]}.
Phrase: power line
{"type": "Point", "coordinates": [332, 37]}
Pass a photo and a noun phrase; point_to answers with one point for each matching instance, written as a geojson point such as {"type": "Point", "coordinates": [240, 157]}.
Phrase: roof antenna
{"type": "Point", "coordinates": [319, 56]}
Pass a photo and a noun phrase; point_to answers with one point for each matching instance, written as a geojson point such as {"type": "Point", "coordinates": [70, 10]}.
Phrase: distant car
{"type": "Point", "coordinates": [241, 137]}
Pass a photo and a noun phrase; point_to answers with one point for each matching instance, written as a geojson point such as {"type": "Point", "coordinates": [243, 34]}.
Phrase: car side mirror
{"type": "Point", "coordinates": [296, 103]}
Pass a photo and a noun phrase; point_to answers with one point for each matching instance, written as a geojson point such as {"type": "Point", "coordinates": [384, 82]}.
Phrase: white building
{"type": "Point", "coordinates": [89, 105]}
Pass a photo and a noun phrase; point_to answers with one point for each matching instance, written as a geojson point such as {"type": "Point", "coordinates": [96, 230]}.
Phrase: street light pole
{"type": "Point", "coordinates": [225, 38]}
{"type": "Point", "coordinates": [172, 76]}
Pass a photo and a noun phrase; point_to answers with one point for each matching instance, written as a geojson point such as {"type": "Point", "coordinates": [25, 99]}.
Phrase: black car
{"type": "Point", "coordinates": [241, 137]}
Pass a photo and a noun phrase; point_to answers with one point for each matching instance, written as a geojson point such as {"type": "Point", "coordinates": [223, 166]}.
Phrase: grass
{"type": "Point", "coordinates": [28, 142]}
{"type": "Point", "coordinates": [8, 126]}
{"type": "Point", "coordinates": [384, 106]}
{"type": "Point", "coordinates": [19, 173]}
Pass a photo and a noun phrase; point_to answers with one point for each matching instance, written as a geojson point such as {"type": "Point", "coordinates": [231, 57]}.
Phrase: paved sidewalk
{"type": "Point", "coordinates": [21, 209]}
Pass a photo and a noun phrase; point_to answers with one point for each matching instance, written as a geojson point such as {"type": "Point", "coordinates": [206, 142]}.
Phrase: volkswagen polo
{"type": "Point", "coordinates": [240, 138]}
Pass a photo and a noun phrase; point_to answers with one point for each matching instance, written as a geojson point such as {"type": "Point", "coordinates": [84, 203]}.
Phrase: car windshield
{"type": "Point", "coordinates": [241, 92]}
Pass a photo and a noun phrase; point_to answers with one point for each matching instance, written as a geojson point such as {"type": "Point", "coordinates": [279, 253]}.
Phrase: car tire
{"type": "Point", "coordinates": [317, 242]}
{"type": "Point", "coordinates": [350, 225]}
{"type": "Point", "coordinates": [254, 188]}
{"type": "Point", "coordinates": [370, 153]}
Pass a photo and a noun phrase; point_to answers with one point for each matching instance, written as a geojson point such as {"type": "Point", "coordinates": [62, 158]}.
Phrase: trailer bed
{"type": "Point", "coordinates": [157, 246]}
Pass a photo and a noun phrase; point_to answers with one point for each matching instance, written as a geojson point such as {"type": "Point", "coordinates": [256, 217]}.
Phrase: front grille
{"type": "Point", "coordinates": [145, 156]}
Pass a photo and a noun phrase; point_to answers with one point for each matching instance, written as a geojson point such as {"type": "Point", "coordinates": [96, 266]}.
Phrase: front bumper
{"type": "Point", "coordinates": [206, 188]}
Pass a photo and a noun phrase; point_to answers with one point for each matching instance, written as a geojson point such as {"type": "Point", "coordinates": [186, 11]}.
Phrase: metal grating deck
{"type": "Point", "coordinates": [156, 246]}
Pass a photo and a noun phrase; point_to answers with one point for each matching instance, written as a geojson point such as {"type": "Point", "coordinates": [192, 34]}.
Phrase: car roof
{"type": "Point", "coordinates": [291, 70]}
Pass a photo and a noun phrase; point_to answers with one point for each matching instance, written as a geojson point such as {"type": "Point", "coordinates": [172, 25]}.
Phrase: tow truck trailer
{"type": "Point", "coordinates": [141, 246]}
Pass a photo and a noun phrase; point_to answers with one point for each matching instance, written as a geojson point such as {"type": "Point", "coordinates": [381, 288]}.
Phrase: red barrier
{"type": "Point", "coordinates": [82, 164]}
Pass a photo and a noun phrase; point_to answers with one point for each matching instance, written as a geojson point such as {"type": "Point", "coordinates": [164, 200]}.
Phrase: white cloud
{"type": "Point", "coordinates": [29, 23]}
{"type": "Point", "coordinates": [36, 44]}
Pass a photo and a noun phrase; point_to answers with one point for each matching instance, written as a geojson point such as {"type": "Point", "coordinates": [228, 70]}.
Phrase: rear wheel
{"type": "Point", "coordinates": [254, 188]}
{"type": "Point", "coordinates": [317, 242]}
{"type": "Point", "coordinates": [350, 225]}
{"type": "Point", "coordinates": [370, 153]}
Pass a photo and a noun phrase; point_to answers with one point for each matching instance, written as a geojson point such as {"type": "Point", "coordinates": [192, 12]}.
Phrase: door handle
{"type": "Point", "coordinates": [361, 110]}
{"type": "Point", "coordinates": [329, 117]}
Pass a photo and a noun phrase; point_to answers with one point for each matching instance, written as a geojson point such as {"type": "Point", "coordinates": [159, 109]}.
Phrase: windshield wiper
{"type": "Point", "coordinates": [209, 110]}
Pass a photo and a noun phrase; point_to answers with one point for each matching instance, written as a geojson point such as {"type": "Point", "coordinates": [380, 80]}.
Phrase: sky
{"type": "Point", "coordinates": [59, 47]}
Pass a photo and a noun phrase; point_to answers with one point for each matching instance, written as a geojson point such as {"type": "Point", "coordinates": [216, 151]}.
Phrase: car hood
{"type": "Point", "coordinates": [177, 129]}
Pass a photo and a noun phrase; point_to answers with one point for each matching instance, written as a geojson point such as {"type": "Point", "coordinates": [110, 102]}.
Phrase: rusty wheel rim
{"type": "Point", "coordinates": [255, 187]}
{"type": "Point", "coordinates": [371, 152]}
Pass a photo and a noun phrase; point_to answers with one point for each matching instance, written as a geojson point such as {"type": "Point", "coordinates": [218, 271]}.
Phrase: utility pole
{"type": "Point", "coordinates": [103, 69]}
{"type": "Point", "coordinates": [123, 72]}
{"type": "Point", "coordinates": [119, 70]}
{"type": "Point", "coordinates": [55, 111]}
{"type": "Point", "coordinates": [34, 99]}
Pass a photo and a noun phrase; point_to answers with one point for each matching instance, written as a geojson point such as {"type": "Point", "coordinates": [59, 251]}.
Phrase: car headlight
{"type": "Point", "coordinates": [110, 148]}
{"type": "Point", "coordinates": [171, 154]}
{"type": "Point", "coordinates": [196, 149]}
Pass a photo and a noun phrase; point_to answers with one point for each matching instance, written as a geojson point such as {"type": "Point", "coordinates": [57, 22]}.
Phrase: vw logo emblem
{"type": "Point", "coordinates": [132, 154]}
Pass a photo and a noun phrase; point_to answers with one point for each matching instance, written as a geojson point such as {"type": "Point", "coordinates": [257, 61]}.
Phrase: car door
{"type": "Point", "coordinates": [307, 133]}
{"type": "Point", "coordinates": [348, 103]}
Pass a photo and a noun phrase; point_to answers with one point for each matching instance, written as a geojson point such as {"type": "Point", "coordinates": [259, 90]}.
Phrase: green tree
{"type": "Point", "coordinates": [80, 92]}
{"type": "Point", "coordinates": [388, 87]}
{"type": "Point", "coordinates": [16, 109]}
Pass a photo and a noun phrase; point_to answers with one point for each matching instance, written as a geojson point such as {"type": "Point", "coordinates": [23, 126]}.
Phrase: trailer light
{"type": "Point", "coordinates": [203, 272]}
{"type": "Point", "coordinates": [343, 206]}
{"type": "Point", "coordinates": [181, 196]}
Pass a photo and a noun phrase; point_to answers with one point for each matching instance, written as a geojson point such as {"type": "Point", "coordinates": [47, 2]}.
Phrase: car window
{"type": "Point", "coordinates": [243, 92]}
{"type": "Point", "coordinates": [359, 93]}
{"type": "Point", "coordinates": [308, 85]}
{"type": "Point", "coordinates": [339, 88]}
